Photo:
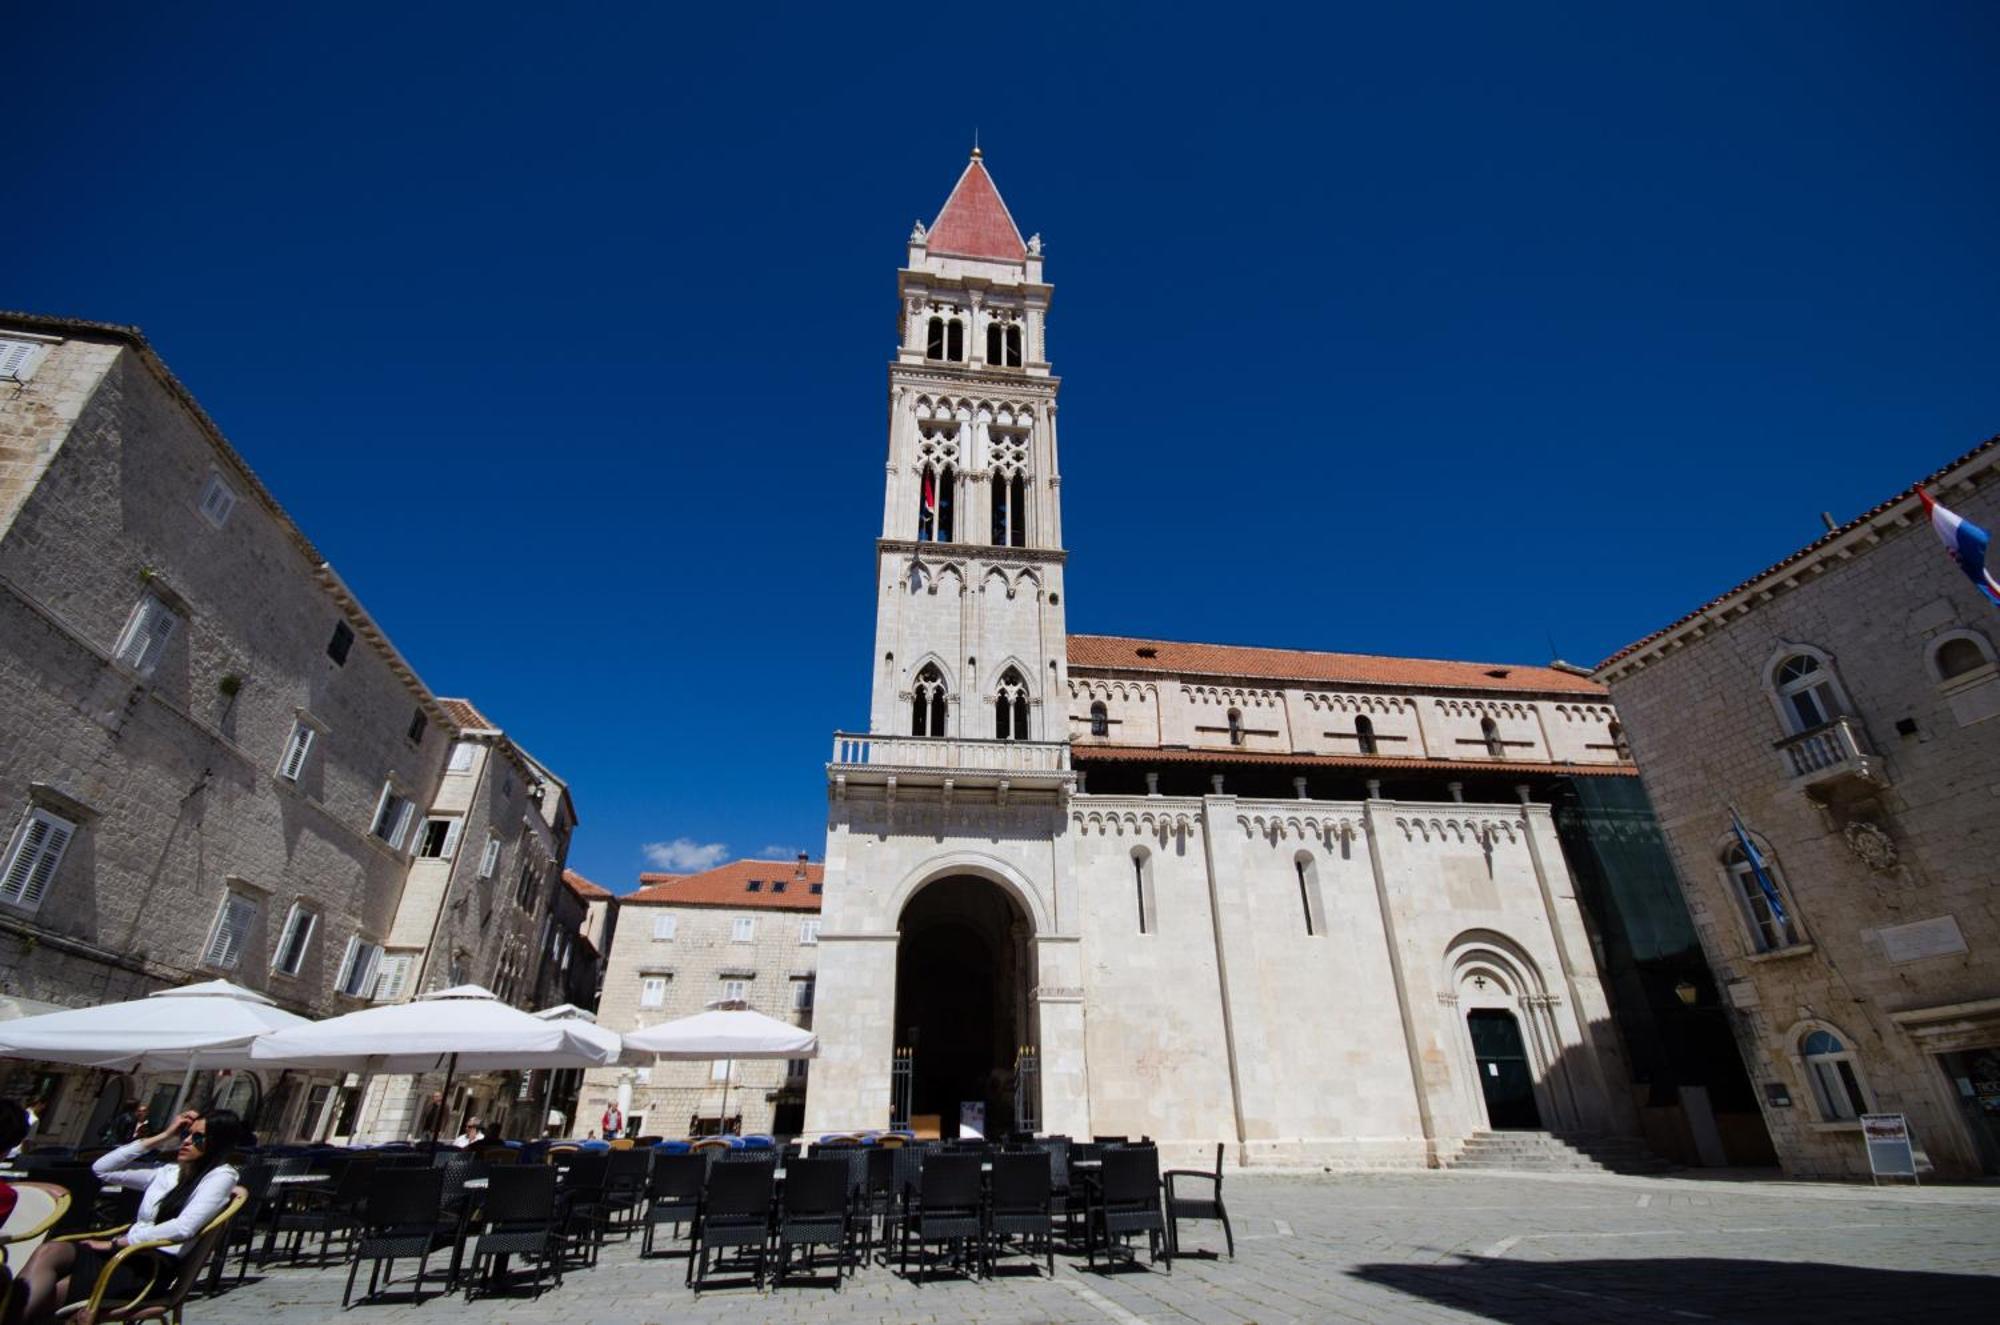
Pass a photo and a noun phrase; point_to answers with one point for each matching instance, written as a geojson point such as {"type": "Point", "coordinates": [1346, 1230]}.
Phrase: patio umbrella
{"type": "Point", "coordinates": [584, 1022]}
{"type": "Point", "coordinates": [463, 1028]}
{"type": "Point", "coordinates": [727, 1030]}
{"type": "Point", "coordinates": [210, 1024]}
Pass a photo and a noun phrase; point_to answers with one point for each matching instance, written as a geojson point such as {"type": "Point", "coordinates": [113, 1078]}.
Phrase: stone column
{"type": "Point", "coordinates": [848, 1086]}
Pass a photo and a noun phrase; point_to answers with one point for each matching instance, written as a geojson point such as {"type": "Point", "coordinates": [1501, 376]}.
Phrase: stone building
{"type": "Point", "coordinates": [747, 932]}
{"type": "Point", "coordinates": [213, 762]}
{"type": "Point", "coordinates": [1842, 702]}
{"type": "Point", "coordinates": [1314, 905]}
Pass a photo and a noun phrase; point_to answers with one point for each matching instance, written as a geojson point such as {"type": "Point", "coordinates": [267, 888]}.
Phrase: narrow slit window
{"type": "Point", "coordinates": [1100, 720]}
{"type": "Point", "coordinates": [1310, 902]}
{"type": "Point", "coordinates": [1364, 735]}
{"type": "Point", "coordinates": [1489, 731]}
{"type": "Point", "coordinates": [934, 339]}
{"type": "Point", "coordinates": [954, 341]}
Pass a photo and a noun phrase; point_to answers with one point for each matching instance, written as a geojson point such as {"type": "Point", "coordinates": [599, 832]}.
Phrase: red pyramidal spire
{"type": "Point", "coordinates": [974, 222]}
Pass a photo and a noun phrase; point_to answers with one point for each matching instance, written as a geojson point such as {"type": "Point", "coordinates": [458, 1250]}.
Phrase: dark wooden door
{"type": "Point", "coordinates": [1504, 1075]}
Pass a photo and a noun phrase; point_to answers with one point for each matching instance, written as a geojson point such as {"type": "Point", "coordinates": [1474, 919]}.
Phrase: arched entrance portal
{"type": "Point", "coordinates": [964, 969]}
{"type": "Point", "coordinates": [1505, 1079]}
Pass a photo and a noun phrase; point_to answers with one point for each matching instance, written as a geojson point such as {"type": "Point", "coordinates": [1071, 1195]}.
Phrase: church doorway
{"type": "Point", "coordinates": [1505, 1078]}
{"type": "Point", "coordinates": [964, 971]}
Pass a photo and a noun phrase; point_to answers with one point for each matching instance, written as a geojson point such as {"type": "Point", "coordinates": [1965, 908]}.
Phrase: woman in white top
{"type": "Point", "coordinates": [180, 1198]}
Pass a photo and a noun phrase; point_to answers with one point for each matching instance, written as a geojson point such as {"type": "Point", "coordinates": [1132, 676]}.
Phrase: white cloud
{"type": "Point", "coordinates": [684, 855]}
{"type": "Point", "coordinates": [778, 852]}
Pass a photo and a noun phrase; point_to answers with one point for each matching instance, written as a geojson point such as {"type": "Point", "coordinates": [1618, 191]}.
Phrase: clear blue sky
{"type": "Point", "coordinates": [1430, 330]}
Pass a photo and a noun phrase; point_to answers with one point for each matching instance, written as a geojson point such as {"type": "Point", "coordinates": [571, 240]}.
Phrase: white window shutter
{"type": "Point", "coordinates": [232, 926]}
{"type": "Point", "coordinates": [461, 757]}
{"type": "Point", "coordinates": [37, 852]}
{"type": "Point", "coordinates": [295, 753]}
{"type": "Point", "coordinates": [15, 355]}
{"type": "Point", "coordinates": [452, 827]}
{"type": "Point", "coordinates": [347, 964]}
{"type": "Point", "coordinates": [404, 811]}
{"type": "Point", "coordinates": [366, 989]}
{"type": "Point", "coordinates": [145, 640]}
{"type": "Point", "coordinates": [217, 501]}
{"type": "Point", "coordinates": [489, 860]}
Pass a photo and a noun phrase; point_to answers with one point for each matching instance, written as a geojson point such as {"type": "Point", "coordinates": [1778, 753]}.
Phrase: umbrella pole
{"type": "Point", "coordinates": [728, 1071]}
{"type": "Point", "coordinates": [444, 1100]}
{"type": "Point", "coordinates": [187, 1080]}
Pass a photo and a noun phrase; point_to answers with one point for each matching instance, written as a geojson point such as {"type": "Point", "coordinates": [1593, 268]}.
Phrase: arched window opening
{"type": "Point", "coordinates": [1805, 693]}
{"type": "Point", "coordinates": [1001, 491]}
{"type": "Point", "coordinates": [1013, 346]}
{"type": "Point", "coordinates": [1364, 735]}
{"type": "Point", "coordinates": [1957, 656]}
{"type": "Point", "coordinates": [1010, 708]}
{"type": "Point", "coordinates": [1142, 888]}
{"type": "Point", "coordinates": [927, 702]}
{"type": "Point", "coordinates": [1489, 731]}
{"type": "Point", "coordinates": [934, 339]}
{"type": "Point", "coordinates": [1619, 745]}
{"type": "Point", "coordinates": [1836, 1086]}
{"type": "Point", "coordinates": [954, 341]}
{"type": "Point", "coordinates": [1236, 726]}
{"type": "Point", "coordinates": [1771, 923]}
{"type": "Point", "coordinates": [996, 343]}
{"type": "Point", "coordinates": [1309, 897]}
{"type": "Point", "coordinates": [936, 504]}
{"type": "Point", "coordinates": [1017, 505]}
{"type": "Point", "coordinates": [1100, 720]}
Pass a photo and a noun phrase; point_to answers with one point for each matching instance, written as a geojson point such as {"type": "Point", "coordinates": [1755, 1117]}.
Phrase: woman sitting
{"type": "Point", "coordinates": [179, 1200]}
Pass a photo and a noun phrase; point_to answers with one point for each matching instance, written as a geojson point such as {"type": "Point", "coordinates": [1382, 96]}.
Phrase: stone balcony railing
{"type": "Point", "coordinates": [1814, 760]}
{"type": "Point", "coordinates": [943, 753]}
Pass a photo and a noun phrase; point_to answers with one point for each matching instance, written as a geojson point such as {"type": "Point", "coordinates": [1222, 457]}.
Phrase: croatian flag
{"type": "Point", "coordinates": [930, 496]}
{"type": "Point", "coordinates": [1966, 544]}
{"type": "Point", "coordinates": [1756, 859]}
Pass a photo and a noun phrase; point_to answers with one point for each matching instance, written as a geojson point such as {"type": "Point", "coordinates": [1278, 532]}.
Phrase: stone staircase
{"type": "Point", "coordinates": [1546, 1152]}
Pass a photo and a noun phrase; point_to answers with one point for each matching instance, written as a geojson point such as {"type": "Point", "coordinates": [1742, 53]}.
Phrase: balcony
{"type": "Point", "coordinates": [1816, 761]}
{"type": "Point", "coordinates": [947, 761]}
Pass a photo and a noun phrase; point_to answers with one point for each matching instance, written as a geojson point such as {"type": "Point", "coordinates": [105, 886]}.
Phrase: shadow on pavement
{"type": "Point", "coordinates": [1680, 1289]}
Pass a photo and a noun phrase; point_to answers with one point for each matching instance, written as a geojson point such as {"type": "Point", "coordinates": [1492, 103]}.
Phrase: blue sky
{"type": "Point", "coordinates": [1453, 331]}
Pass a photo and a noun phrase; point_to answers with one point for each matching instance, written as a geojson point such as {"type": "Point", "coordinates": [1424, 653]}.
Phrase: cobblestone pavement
{"type": "Point", "coordinates": [1376, 1247]}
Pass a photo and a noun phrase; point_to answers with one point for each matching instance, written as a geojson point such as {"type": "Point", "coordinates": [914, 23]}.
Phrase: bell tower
{"type": "Point", "coordinates": [969, 621]}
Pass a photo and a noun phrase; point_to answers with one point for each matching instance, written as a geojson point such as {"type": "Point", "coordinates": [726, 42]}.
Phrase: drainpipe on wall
{"type": "Point", "coordinates": [1221, 975]}
{"type": "Point", "coordinates": [1371, 826]}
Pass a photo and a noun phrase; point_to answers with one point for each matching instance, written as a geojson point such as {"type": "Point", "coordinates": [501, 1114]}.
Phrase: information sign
{"type": "Point", "coordinates": [1890, 1154]}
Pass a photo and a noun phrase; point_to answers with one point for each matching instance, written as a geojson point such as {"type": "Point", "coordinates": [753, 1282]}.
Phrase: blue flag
{"type": "Point", "coordinates": [1756, 859]}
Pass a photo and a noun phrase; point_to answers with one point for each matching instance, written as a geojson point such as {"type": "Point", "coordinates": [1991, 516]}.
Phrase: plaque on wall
{"type": "Point", "coordinates": [1936, 937]}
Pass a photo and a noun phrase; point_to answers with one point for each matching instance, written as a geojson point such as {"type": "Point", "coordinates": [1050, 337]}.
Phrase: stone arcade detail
{"type": "Point", "coordinates": [1043, 890]}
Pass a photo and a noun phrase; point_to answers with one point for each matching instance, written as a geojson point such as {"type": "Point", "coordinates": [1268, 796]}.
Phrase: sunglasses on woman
{"type": "Point", "coordinates": [196, 1139]}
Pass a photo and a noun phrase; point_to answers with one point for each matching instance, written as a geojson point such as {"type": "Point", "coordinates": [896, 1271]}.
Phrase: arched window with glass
{"type": "Point", "coordinates": [927, 702]}
{"type": "Point", "coordinates": [1836, 1083]}
{"type": "Point", "coordinates": [1765, 907]}
{"type": "Point", "coordinates": [1010, 707]}
{"type": "Point", "coordinates": [1806, 693]}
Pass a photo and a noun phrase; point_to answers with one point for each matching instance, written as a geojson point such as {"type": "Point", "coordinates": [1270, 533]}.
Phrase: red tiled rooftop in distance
{"type": "Point", "coordinates": [1304, 666]}
{"type": "Point", "coordinates": [584, 888]}
{"type": "Point", "coordinates": [975, 223]}
{"type": "Point", "coordinates": [729, 886]}
{"type": "Point", "coordinates": [465, 716]}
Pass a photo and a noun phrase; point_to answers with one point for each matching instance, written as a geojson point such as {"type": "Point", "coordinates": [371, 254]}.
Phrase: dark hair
{"type": "Point", "coordinates": [226, 1136]}
{"type": "Point", "coordinates": [13, 1125]}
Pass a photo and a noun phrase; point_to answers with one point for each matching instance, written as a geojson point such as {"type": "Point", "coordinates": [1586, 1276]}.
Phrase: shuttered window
{"type": "Point", "coordinates": [217, 501]}
{"type": "Point", "coordinates": [296, 751]}
{"type": "Point", "coordinates": [17, 358]}
{"type": "Point", "coordinates": [489, 859]}
{"type": "Point", "coordinates": [146, 635]}
{"type": "Point", "coordinates": [809, 931]}
{"type": "Point", "coordinates": [299, 926]}
{"type": "Point", "coordinates": [392, 818]}
{"type": "Point", "coordinates": [439, 840]}
{"type": "Point", "coordinates": [743, 930]}
{"type": "Point", "coordinates": [664, 926]}
{"type": "Point", "coordinates": [232, 930]}
{"type": "Point", "coordinates": [394, 979]}
{"type": "Point", "coordinates": [652, 991]}
{"type": "Point", "coordinates": [32, 857]}
{"type": "Point", "coordinates": [358, 967]}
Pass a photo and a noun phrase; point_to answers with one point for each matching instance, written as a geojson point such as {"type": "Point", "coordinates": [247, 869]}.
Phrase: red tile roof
{"type": "Point", "coordinates": [1299, 665]}
{"type": "Point", "coordinates": [584, 888]}
{"type": "Point", "coordinates": [1875, 512]}
{"type": "Point", "coordinates": [1145, 754]}
{"type": "Point", "coordinates": [465, 716]}
{"type": "Point", "coordinates": [974, 222]}
{"type": "Point", "coordinates": [729, 886]}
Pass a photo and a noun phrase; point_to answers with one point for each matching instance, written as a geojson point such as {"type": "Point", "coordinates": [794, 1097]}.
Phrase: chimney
{"type": "Point", "coordinates": [800, 872]}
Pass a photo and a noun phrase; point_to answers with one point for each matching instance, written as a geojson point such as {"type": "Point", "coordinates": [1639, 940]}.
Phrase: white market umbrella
{"type": "Point", "coordinates": [210, 1024]}
{"type": "Point", "coordinates": [465, 1027]}
{"type": "Point", "coordinates": [584, 1023]}
{"type": "Point", "coordinates": [729, 1031]}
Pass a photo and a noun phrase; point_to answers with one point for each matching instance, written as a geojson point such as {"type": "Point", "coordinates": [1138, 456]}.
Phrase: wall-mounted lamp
{"type": "Point", "coordinates": [1687, 993]}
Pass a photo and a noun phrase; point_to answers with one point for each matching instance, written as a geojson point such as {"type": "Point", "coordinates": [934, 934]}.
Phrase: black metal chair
{"type": "Point", "coordinates": [625, 1189]}
{"type": "Point", "coordinates": [328, 1211]}
{"type": "Point", "coordinates": [878, 1196]}
{"type": "Point", "coordinates": [400, 1219]}
{"type": "Point", "coordinates": [673, 1194]}
{"type": "Point", "coordinates": [1127, 1201]}
{"type": "Point", "coordinates": [1205, 1203]}
{"type": "Point", "coordinates": [816, 1211]}
{"type": "Point", "coordinates": [458, 1202]}
{"type": "Point", "coordinates": [735, 1212]}
{"type": "Point", "coordinates": [1020, 1205]}
{"type": "Point", "coordinates": [581, 1204]}
{"type": "Point", "coordinates": [518, 1218]}
{"type": "Point", "coordinates": [255, 1180]}
{"type": "Point", "coordinates": [948, 1213]}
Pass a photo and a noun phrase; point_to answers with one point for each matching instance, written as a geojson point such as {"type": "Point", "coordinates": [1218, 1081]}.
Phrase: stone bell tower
{"type": "Point", "coordinates": [949, 966]}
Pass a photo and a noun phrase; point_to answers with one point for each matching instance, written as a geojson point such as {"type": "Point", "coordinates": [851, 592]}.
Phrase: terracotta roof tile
{"type": "Point", "coordinates": [1147, 754]}
{"type": "Point", "coordinates": [1874, 512]}
{"type": "Point", "coordinates": [584, 888]}
{"type": "Point", "coordinates": [975, 223]}
{"type": "Point", "coordinates": [465, 716]}
{"type": "Point", "coordinates": [781, 885]}
{"type": "Point", "coordinates": [1303, 666]}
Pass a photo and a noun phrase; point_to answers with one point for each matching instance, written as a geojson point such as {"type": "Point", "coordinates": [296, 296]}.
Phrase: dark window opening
{"type": "Point", "coordinates": [927, 703]}
{"type": "Point", "coordinates": [418, 725]}
{"type": "Point", "coordinates": [1236, 726]}
{"type": "Point", "coordinates": [1364, 735]}
{"type": "Point", "coordinates": [1010, 708]}
{"type": "Point", "coordinates": [934, 340]}
{"type": "Point", "coordinates": [1013, 347]}
{"type": "Point", "coordinates": [954, 341]}
{"type": "Point", "coordinates": [342, 641]}
{"type": "Point", "coordinates": [1489, 730]}
{"type": "Point", "coordinates": [1100, 720]}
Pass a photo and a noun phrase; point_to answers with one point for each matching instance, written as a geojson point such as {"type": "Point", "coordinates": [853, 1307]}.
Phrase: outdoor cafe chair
{"type": "Point", "coordinates": [581, 1204]}
{"type": "Point", "coordinates": [401, 1218]}
{"type": "Point", "coordinates": [1127, 1201]}
{"type": "Point", "coordinates": [1020, 1204]}
{"type": "Point", "coordinates": [948, 1213]}
{"type": "Point", "coordinates": [328, 1211]}
{"type": "Point", "coordinates": [1202, 1203]}
{"type": "Point", "coordinates": [625, 1188]}
{"type": "Point", "coordinates": [518, 1218]}
{"type": "Point", "coordinates": [815, 1210]}
{"type": "Point", "coordinates": [735, 1212]}
{"type": "Point", "coordinates": [877, 1203]}
{"type": "Point", "coordinates": [673, 1194]}
{"type": "Point", "coordinates": [38, 1208]}
{"type": "Point", "coordinates": [255, 1180]}
{"type": "Point", "coordinates": [170, 1281]}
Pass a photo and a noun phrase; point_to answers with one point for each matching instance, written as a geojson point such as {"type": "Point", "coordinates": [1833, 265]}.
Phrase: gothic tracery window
{"type": "Point", "coordinates": [1010, 489]}
{"type": "Point", "coordinates": [1003, 344]}
{"type": "Point", "coordinates": [1010, 707]}
{"type": "Point", "coordinates": [937, 486]}
{"type": "Point", "coordinates": [927, 702]}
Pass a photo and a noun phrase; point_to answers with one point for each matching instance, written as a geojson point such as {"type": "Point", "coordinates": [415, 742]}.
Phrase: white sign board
{"type": "Point", "coordinates": [1887, 1136]}
{"type": "Point", "coordinates": [972, 1119]}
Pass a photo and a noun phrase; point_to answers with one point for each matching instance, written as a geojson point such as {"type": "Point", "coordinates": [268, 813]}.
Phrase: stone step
{"type": "Point", "coordinates": [1551, 1153]}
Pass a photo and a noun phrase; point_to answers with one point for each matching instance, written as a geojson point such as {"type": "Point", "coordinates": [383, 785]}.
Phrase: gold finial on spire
{"type": "Point", "coordinates": [976, 153]}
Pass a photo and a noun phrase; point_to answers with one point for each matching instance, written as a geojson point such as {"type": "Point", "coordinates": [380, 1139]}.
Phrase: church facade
{"type": "Point", "coordinates": [1314, 906]}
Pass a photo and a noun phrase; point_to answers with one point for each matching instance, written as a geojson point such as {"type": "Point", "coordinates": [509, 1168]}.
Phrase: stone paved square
{"type": "Point", "coordinates": [1368, 1247]}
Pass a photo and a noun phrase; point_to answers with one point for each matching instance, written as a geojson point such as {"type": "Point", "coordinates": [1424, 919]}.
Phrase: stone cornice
{"type": "Point", "coordinates": [982, 552]}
